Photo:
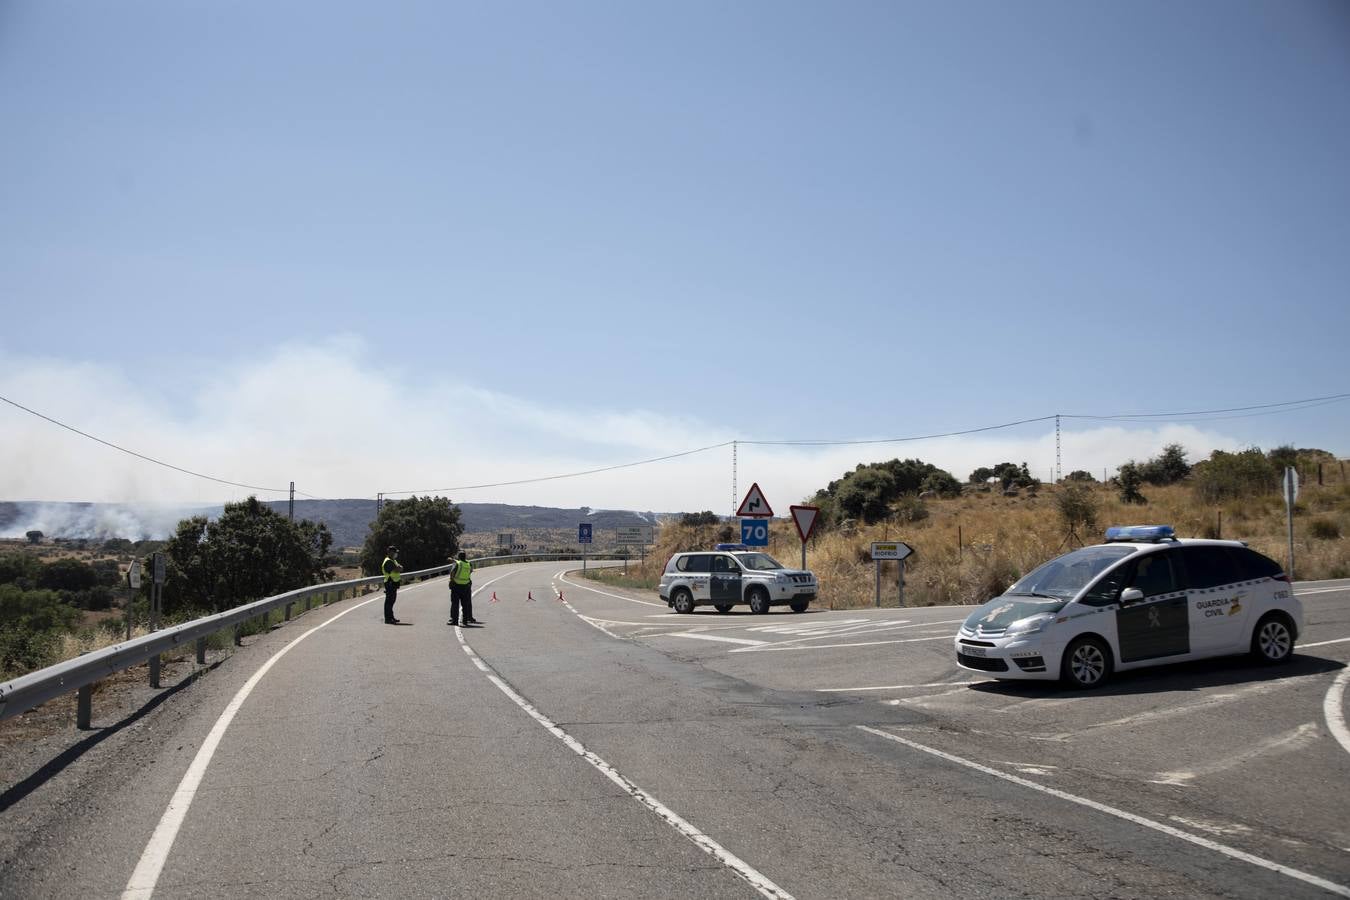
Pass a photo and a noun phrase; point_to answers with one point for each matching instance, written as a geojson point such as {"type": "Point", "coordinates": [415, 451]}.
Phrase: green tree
{"type": "Point", "coordinates": [34, 536]}
{"type": "Point", "coordinates": [944, 484]}
{"type": "Point", "coordinates": [250, 552]}
{"type": "Point", "coordinates": [1077, 506]}
{"type": "Point", "coordinates": [21, 569]}
{"type": "Point", "coordinates": [1080, 475]}
{"type": "Point", "coordinates": [1129, 481]}
{"type": "Point", "coordinates": [1230, 476]}
{"type": "Point", "coordinates": [426, 531]}
{"type": "Point", "coordinates": [866, 495]}
{"type": "Point", "coordinates": [981, 475]}
{"type": "Point", "coordinates": [67, 575]}
{"type": "Point", "coordinates": [1282, 458]}
{"type": "Point", "coordinates": [1168, 467]}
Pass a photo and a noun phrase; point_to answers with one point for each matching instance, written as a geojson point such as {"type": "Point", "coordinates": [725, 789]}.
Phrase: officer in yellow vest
{"type": "Point", "coordinates": [392, 573]}
{"type": "Point", "coordinates": [461, 592]}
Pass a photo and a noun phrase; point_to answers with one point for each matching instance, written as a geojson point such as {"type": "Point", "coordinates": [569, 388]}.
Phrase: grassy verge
{"type": "Point", "coordinates": [637, 578]}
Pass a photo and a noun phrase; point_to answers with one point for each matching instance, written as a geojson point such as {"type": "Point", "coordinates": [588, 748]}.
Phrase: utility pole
{"type": "Point", "coordinates": [292, 507]}
{"type": "Point", "coordinates": [734, 493]}
{"type": "Point", "coordinates": [1058, 470]}
{"type": "Point", "coordinates": [379, 504]}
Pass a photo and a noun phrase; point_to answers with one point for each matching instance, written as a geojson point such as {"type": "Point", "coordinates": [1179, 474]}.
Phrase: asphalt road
{"type": "Point", "coordinates": [600, 746]}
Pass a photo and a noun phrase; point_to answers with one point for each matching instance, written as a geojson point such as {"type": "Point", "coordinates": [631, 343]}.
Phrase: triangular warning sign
{"type": "Point", "coordinates": [804, 517]}
{"type": "Point", "coordinates": [754, 505]}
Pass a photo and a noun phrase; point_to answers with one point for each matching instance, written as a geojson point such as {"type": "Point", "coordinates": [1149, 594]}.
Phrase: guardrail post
{"type": "Point", "coordinates": [84, 707]}
{"type": "Point", "coordinates": [239, 635]}
{"type": "Point", "coordinates": [288, 612]}
{"type": "Point", "coordinates": [154, 671]}
{"type": "Point", "coordinates": [308, 601]}
{"type": "Point", "coordinates": [201, 651]}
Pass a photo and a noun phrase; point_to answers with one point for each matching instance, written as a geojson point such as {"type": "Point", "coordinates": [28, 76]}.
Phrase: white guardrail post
{"type": "Point", "coordinates": [81, 674]}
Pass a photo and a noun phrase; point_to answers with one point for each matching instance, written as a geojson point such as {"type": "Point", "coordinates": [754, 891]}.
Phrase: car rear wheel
{"type": "Point", "coordinates": [759, 601]}
{"type": "Point", "coordinates": [1273, 639]}
{"type": "Point", "coordinates": [722, 607]}
{"type": "Point", "coordinates": [800, 605]}
{"type": "Point", "coordinates": [683, 601]}
{"type": "Point", "coordinates": [1087, 663]}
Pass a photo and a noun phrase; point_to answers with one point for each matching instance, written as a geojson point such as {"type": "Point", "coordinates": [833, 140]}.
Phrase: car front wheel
{"type": "Point", "coordinates": [759, 601]}
{"type": "Point", "coordinates": [1087, 663]}
{"type": "Point", "coordinates": [1273, 639]}
{"type": "Point", "coordinates": [722, 607]}
{"type": "Point", "coordinates": [683, 601]}
{"type": "Point", "coordinates": [799, 606]}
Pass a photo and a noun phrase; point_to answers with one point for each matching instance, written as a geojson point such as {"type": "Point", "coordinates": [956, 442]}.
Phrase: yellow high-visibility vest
{"type": "Point", "coordinates": [463, 571]}
{"type": "Point", "coordinates": [392, 570]}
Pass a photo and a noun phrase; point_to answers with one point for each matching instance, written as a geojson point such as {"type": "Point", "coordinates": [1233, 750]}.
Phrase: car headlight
{"type": "Point", "coordinates": [1029, 625]}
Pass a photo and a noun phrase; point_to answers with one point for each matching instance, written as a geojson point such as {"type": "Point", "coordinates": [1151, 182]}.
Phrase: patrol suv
{"type": "Point", "coordinates": [1144, 598]}
{"type": "Point", "coordinates": [734, 574]}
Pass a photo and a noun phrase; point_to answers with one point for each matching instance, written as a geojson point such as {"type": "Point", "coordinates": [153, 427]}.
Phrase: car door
{"type": "Point", "coordinates": [1218, 598]}
{"type": "Point", "coordinates": [695, 568]}
{"type": "Point", "coordinates": [1156, 626]}
{"type": "Point", "coordinates": [726, 580]}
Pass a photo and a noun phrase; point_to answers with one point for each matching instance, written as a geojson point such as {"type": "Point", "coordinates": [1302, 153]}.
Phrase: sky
{"type": "Point", "coordinates": [431, 246]}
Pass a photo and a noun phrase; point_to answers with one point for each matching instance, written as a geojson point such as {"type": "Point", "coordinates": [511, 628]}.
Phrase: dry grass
{"type": "Point", "coordinates": [1002, 538]}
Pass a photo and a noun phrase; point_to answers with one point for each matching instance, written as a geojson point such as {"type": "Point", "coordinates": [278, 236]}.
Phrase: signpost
{"type": "Point", "coordinates": [640, 535]}
{"type": "Point", "coordinates": [133, 582]}
{"type": "Point", "coordinates": [804, 517]}
{"type": "Point", "coordinates": [583, 538]}
{"type": "Point", "coordinates": [159, 569]}
{"type": "Point", "coordinates": [897, 550]}
{"type": "Point", "coordinates": [505, 539]}
{"type": "Point", "coordinates": [1290, 486]}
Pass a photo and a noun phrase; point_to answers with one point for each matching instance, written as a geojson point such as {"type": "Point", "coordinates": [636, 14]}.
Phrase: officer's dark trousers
{"type": "Point", "coordinates": [390, 594]}
{"type": "Point", "coordinates": [461, 598]}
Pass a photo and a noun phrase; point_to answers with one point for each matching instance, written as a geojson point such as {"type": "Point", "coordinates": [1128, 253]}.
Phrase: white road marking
{"type": "Point", "coordinates": [1323, 643]}
{"type": "Point", "coordinates": [1169, 830]}
{"type": "Point", "coordinates": [564, 579]}
{"type": "Point", "coordinates": [1032, 768]}
{"type": "Point", "coordinates": [1223, 828]}
{"type": "Point", "coordinates": [894, 687]}
{"type": "Point", "coordinates": [780, 645]}
{"type": "Point", "coordinates": [1334, 712]}
{"type": "Point", "coordinates": [1300, 737]}
{"type": "Point", "coordinates": [143, 879]}
{"type": "Point", "coordinates": [711, 637]}
{"type": "Point", "coordinates": [1330, 590]}
{"type": "Point", "coordinates": [1174, 711]}
{"type": "Point", "coordinates": [755, 878]}
{"type": "Point", "coordinates": [929, 698]}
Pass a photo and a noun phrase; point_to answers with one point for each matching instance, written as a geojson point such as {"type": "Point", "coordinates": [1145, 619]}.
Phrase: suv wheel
{"type": "Point", "coordinates": [759, 601]}
{"type": "Point", "coordinates": [683, 601]}
{"type": "Point", "coordinates": [799, 606]}
{"type": "Point", "coordinates": [1273, 639]}
{"type": "Point", "coordinates": [722, 607]}
{"type": "Point", "coordinates": [1087, 663]}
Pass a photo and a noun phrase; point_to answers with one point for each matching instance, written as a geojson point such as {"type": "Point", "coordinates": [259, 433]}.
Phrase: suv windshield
{"type": "Point", "coordinates": [759, 562]}
{"type": "Point", "coordinates": [1064, 577]}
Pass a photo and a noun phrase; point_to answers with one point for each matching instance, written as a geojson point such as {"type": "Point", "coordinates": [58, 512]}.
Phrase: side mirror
{"type": "Point", "coordinates": [1131, 595]}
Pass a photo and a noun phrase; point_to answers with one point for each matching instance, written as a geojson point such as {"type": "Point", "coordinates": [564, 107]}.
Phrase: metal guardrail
{"type": "Point", "coordinates": [27, 691]}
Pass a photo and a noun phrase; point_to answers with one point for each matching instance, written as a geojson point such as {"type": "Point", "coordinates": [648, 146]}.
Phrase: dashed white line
{"type": "Point", "coordinates": [755, 878]}
{"type": "Point", "coordinates": [1324, 643]}
{"type": "Point", "coordinates": [780, 648]}
{"type": "Point", "coordinates": [895, 687]}
{"type": "Point", "coordinates": [712, 637]}
{"type": "Point", "coordinates": [1169, 830]}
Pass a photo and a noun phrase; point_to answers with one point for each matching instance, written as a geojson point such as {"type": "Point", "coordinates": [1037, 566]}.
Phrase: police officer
{"type": "Point", "coordinates": [461, 592]}
{"type": "Point", "coordinates": [392, 573]}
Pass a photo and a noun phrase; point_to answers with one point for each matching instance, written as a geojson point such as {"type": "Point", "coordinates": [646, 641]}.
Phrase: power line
{"type": "Point", "coordinates": [898, 440]}
{"type": "Point", "coordinates": [151, 459]}
{"type": "Point", "coordinates": [1330, 398]}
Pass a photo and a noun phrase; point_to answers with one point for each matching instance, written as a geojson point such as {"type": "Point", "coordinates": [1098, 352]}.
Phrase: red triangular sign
{"type": "Point", "coordinates": [754, 505]}
{"type": "Point", "coordinates": [804, 517]}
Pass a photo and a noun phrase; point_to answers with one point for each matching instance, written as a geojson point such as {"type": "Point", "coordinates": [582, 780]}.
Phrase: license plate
{"type": "Point", "coordinates": [974, 651]}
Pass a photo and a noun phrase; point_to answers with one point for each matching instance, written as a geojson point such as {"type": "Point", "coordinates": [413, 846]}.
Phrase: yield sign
{"type": "Point", "coordinates": [804, 517]}
{"type": "Point", "coordinates": [754, 505]}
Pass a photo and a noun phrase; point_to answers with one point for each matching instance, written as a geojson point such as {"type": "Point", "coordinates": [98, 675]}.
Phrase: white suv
{"type": "Point", "coordinates": [724, 577]}
{"type": "Point", "coordinates": [1143, 598]}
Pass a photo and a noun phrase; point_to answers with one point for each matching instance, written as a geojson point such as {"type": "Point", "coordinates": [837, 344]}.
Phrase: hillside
{"type": "Point", "coordinates": [348, 520]}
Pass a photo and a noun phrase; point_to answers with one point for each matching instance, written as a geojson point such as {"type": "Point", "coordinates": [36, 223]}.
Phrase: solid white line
{"type": "Point", "coordinates": [756, 879]}
{"type": "Point", "coordinates": [711, 637]}
{"type": "Point", "coordinates": [146, 875]}
{"type": "Point", "coordinates": [1334, 713]}
{"type": "Point", "coordinates": [565, 580]}
{"type": "Point", "coordinates": [771, 648]}
{"type": "Point", "coordinates": [1330, 590]}
{"type": "Point", "coordinates": [1196, 839]}
{"type": "Point", "coordinates": [1323, 643]}
{"type": "Point", "coordinates": [896, 687]}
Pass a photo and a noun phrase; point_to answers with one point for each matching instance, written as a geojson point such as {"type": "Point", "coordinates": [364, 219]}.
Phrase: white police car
{"type": "Point", "coordinates": [1144, 598]}
{"type": "Point", "coordinates": [731, 574]}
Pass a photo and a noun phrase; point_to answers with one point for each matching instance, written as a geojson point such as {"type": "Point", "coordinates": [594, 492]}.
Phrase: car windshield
{"type": "Point", "coordinates": [759, 562]}
{"type": "Point", "coordinates": [1064, 577]}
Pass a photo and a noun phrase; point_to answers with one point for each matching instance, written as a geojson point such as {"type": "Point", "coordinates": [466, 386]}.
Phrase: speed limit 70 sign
{"type": "Point", "coordinates": [755, 532]}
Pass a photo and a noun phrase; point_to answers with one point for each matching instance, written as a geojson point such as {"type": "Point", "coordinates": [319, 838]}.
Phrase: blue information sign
{"type": "Point", "coordinates": [755, 532]}
{"type": "Point", "coordinates": [584, 533]}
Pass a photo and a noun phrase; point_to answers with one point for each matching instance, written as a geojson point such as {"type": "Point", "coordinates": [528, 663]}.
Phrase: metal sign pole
{"type": "Point", "coordinates": [902, 582]}
{"type": "Point", "coordinates": [878, 565]}
{"type": "Point", "coordinates": [1290, 495]}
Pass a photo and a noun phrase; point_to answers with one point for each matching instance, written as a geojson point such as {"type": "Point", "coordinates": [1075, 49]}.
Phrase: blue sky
{"type": "Point", "coordinates": [549, 237]}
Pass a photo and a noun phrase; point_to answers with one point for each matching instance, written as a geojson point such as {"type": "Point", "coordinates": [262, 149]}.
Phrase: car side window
{"type": "Point", "coordinates": [1209, 567]}
{"type": "Point", "coordinates": [721, 564]}
{"type": "Point", "coordinates": [1252, 565]}
{"type": "Point", "coordinates": [1155, 575]}
{"type": "Point", "coordinates": [694, 563]}
{"type": "Point", "coordinates": [1107, 589]}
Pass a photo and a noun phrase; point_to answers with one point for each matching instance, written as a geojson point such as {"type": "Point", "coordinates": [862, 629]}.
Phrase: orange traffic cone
{"type": "Point", "coordinates": [560, 597]}
{"type": "Point", "coordinates": [494, 597]}
{"type": "Point", "coordinates": [529, 595]}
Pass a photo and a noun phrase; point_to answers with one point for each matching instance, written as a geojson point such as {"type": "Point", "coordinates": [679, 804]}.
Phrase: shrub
{"type": "Point", "coordinates": [910, 509]}
{"type": "Point", "coordinates": [1129, 481]}
{"type": "Point", "coordinates": [1077, 506]}
{"type": "Point", "coordinates": [1231, 476]}
{"type": "Point", "coordinates": [1324, 529]}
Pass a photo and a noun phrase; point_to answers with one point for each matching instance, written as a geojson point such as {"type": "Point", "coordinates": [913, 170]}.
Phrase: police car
{"type": "Point", "coordinates": [1143, 598]}
{"type": "Point", "coordinates": [732, 574]}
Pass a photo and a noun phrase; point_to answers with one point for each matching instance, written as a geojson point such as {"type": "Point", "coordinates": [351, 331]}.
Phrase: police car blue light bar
{"type": "Point", "coordinates": [1139, 533]}
{"type": "Point", "coordinates": [730, 547]}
